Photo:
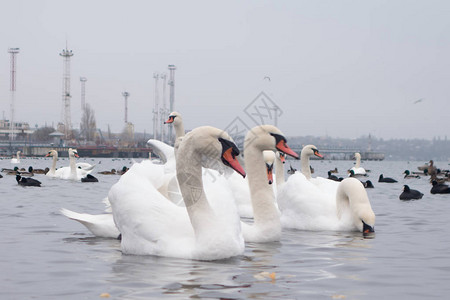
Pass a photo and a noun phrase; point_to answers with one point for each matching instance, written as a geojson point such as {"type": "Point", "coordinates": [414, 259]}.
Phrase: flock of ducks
{"type": "Point", "coordinates": [437, 179]}
{"type": "Point", "coordinates": [195, 201]}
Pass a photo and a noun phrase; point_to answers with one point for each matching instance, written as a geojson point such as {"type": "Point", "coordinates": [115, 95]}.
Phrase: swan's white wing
{"type": "Point", "coordinates": [149, 223]}
{"type": "Point", "coordinates": [100, 225]}
{"type": "Point", "coordinates": [164, 151]}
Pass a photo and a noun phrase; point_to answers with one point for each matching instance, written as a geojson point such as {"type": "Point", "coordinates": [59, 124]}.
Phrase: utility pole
{"type": "Point", "coordinates": [13, 52]}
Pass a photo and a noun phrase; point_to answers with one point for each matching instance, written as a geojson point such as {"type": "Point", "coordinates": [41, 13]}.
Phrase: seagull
{"type": "Point", "coordinates": [417, 101]}
{"type": "Point", "coordinates": [267, 77]}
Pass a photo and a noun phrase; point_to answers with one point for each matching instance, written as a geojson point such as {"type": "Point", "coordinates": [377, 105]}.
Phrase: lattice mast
{"type": "Point", "coordinates": [66, 54]}
{"type": "Point", "coordinates": [172, 69]}
{"type": "Point", "coordinates": [125, 96]}
{"type": "Point", "coordinates": [156, 108]}
{"type": "Point", "coordinates": [163, 113]}
{"type": "Point", "coordinates": [13, 52]}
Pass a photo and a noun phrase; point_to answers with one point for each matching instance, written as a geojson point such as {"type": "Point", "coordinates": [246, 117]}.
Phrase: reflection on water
{"type": "Point", "coordinates": [44, 255]}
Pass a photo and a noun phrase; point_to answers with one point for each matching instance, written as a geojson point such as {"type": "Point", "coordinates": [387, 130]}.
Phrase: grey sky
{"type": "Point", "coordinates": [337, 68]}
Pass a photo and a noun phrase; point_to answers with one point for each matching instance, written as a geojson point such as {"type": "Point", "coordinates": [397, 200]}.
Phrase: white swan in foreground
{"type": "Point", "coordinates": [203, 230]}
{"type": "Point", "coordinates": [266, 216]}
{"type": "Point", "coordinates": [16, 160]}
{"type": "Point", "coordinates": [357, 169]}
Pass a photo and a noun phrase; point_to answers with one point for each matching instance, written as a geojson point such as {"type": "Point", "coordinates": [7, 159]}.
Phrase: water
{"type": "Point", "coordinates": [44, 255]}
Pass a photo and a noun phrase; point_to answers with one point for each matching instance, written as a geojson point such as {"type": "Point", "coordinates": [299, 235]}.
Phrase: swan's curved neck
{"type": "Point", "coordinates": [179, 129]}
{"type": "Point", "coordinates": [73, 166]}
{"type": "Point", "coordinates": [358, 161]}
{"type": "Point", "coordinates": [279, 171]}
{"type": "Point", "coordinates": [18, 156]}
{"type": "Point", "coordinates": [265, 212]}
{"type": "Point", "coordinates": [189, 175]}
{"type": "Point", "coordinates": [305, 165]}
{"type": "Point", "coordinates": [53, 167]}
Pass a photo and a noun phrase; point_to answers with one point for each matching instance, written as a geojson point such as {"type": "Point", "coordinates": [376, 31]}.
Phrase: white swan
{"type": "Point", "coordinates": [323, 204]}
{"type": "Point", "coordinates": [177, 121]}
{"type": "Point", "coordinates": [16, 160]}
{"type": "Point", "coordinates": [203, 230]}
{"type": "Point", "coordinates": [357, 169]}
{"type": "Point", "coordinates": [71, 172]}
{"type": "Point", "coordinates": [266, 216]}
{"type": "Point", "coordinates": [54, 154]}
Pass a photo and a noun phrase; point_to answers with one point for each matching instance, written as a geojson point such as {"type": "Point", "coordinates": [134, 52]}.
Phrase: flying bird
{"type": "Point", "coordinates": [267, 77]}
{"type": "Point", "coordinates": [417, 101]}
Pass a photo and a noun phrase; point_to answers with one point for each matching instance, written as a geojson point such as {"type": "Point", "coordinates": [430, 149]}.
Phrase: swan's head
{"type": "Point", "coordinates": [281, 156]}
{"type": "Point", "coordinates": [269, 159]}
{"type": "Point", "coordinates": [210, 146]}
{"type": "Point", "coordinates": [310, 150]}
{"type": "Point", "coordinates": [357, 156]}
{"type": "Point", "coordinates": [52, 153]}
{"type": "Point", "coordinates": [73, 153]}
{"type": "Point", "coordinates": [174, 118]}
{"type": "Point", "coordinates": [268, 137]}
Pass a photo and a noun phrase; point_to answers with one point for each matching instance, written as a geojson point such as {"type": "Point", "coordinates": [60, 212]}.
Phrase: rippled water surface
{"type": "Point", "coordinates": [44, 255]}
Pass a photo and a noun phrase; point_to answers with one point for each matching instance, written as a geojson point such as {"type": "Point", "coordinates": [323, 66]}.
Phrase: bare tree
{"type": "Point", "coordinates": [88, 124]}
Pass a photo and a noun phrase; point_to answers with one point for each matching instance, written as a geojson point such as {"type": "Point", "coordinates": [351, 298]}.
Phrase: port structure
{"type": "Point", "coordinates": [13, 52]}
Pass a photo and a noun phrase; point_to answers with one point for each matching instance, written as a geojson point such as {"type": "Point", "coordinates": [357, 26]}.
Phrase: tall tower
{"type": "Point", "coordinates": [66, 54]}
{"type": "Point", "coordinates": [13, 52]}
{"type": "Point", "coordinates": [125, 96]}
{"type": "Point", "coordinates": [156, 108]}
{"type": "Point", "coordinates": [172, 69]}
{"type": "Point", "coordinates": [163, 110]}
{"type": "Point", "coordinates": [83, 94]}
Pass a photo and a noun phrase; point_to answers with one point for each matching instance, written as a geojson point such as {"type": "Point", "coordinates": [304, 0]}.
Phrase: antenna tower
{"type": "Point", "coordinates": [126, 95]}
{"type": "Point", "coordinates": [66, 54]}
{"type": "Point", "coordinates": [13, 52]}
{"type": "Point", "coordinates": [163, 111]}
{"type": "Point", "coordinates": [172, 69]}
{"type": "Point", "coordinates": [156, 108]}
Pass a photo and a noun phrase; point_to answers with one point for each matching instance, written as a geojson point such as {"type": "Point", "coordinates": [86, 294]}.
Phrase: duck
{"type": "Point", "coordinates": [8, 171]}
{"type": "Point", "coordinates": [202, 229]}
{"type": "Point", "coordinates": [439, 188]}
{"type": "Point", "coordinates": [381, 178]}
{"type": "Point", "coordinates": [408, 175]}
{"type": "Point", "coordinates": [25, 181]}
{"type": "Point", "coordinates": [37, 171]}
{"type": "Point", "coordinates": [409, 194]}
{"type": "Point", "coordinates": [123, 170]}
{"type": "Point", "coordinates": [335, 170]}
{"type": "Point", "coordinates": [357, 169]}
{"type": "Point", "coordinates": [16, 160]}
{"type": "Point", "coordinates": [89, 178]}
{"type": "Point", "coordinates": [334, 177]}
{"type": "Point", "coordinates": [367, 184]}
{"type": "Point", "coordinates": [112, 172]}
{"type": "Point", "coordinates": [291, 170]}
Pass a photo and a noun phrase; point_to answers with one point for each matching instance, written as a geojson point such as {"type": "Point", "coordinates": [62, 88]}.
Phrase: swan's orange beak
{"type": "Point", "coordinates": [48, 154]}
{"type": "Point", "coordinates": [316, 153]}
{"type": "Point", "coordinates": [76, 155]}
{"type": "Point", "coordinates": [232, 161]}
{"type": "Point", "coordinates": [269, 173]}
{"type": "Point", "coordinates": [169, 120]}
{"type": "Point", "coordinates": [283, 147]}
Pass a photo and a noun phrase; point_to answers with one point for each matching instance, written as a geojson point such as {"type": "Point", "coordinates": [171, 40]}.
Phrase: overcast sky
{"type": "Point", "coordinates": [336, 68]}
